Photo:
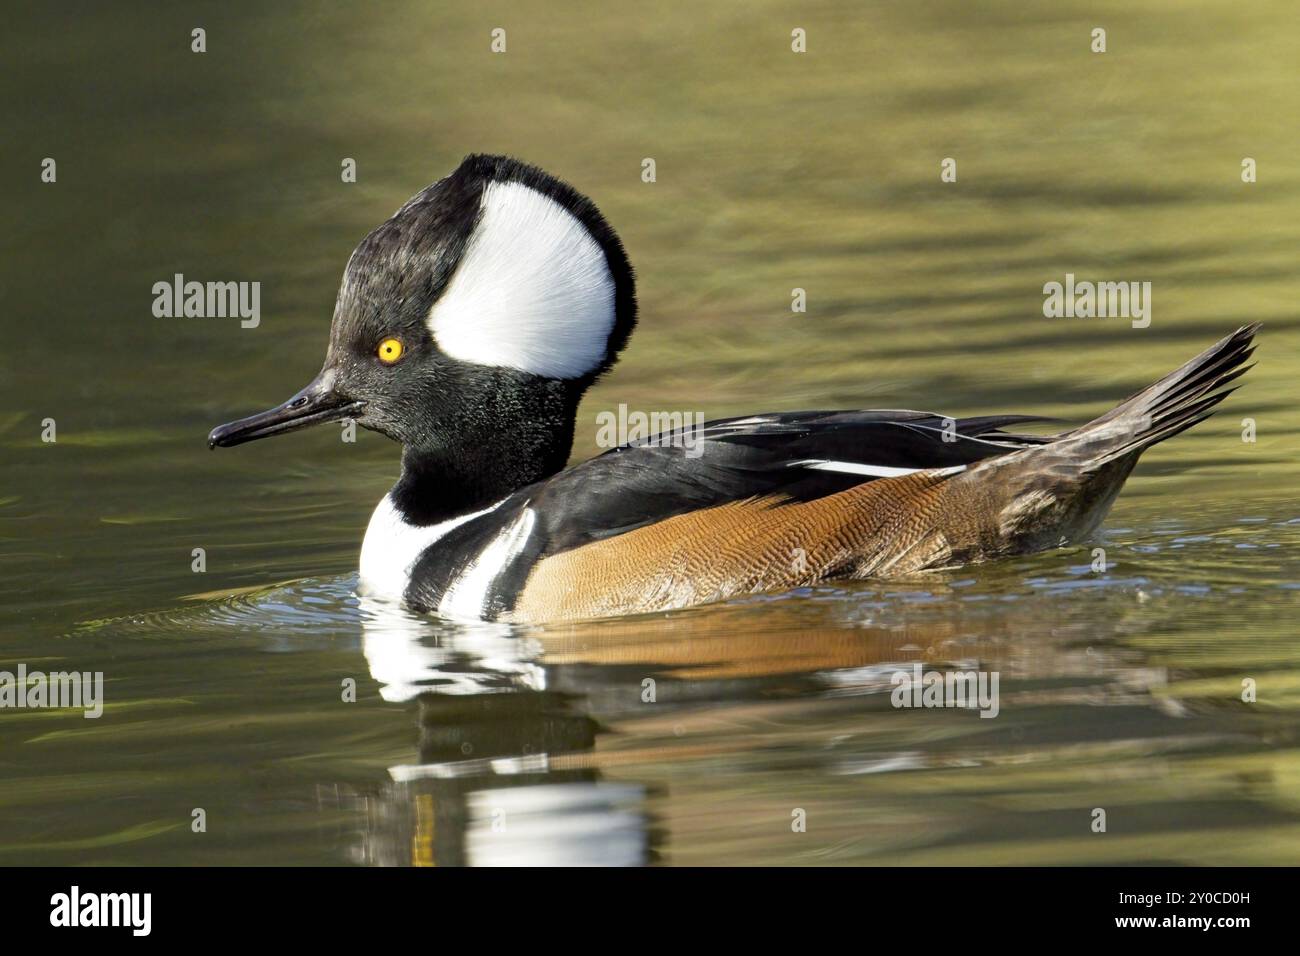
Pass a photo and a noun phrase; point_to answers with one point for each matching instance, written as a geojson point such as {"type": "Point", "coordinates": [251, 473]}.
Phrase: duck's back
{"type": "Point", "coordinates": [737, 506]}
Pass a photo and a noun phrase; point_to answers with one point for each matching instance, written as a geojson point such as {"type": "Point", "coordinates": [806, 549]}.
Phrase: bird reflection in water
{"type": "Point", "coordinates": [529, 738]}
{"type": "Point", "coordinates": [500, 778]}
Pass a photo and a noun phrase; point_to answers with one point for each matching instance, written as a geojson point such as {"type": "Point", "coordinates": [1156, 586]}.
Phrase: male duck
{"type": "Point", "coordinates": [470, 324]}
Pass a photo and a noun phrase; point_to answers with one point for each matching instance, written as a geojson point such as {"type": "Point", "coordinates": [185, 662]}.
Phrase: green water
{"type": "Point", "coordinates": [1119, 690]}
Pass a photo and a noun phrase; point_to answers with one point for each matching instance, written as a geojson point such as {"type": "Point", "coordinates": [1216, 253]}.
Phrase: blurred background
{"type": "Point", "coordinates": [774, 171]}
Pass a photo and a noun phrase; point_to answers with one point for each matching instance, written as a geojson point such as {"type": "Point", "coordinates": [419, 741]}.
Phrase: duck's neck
{"type": "Point", "coordinates": [437, 485]}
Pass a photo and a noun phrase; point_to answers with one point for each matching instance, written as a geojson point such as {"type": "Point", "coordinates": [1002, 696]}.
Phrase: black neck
{"type": "Point", "coordinates": [495, 450]}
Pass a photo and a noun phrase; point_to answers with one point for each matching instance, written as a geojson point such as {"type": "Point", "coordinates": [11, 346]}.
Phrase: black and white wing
{"type": "Point", "coordinates": [792, 456]}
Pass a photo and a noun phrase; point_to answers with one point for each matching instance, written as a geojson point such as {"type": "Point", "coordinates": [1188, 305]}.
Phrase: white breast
{"type": "Point", "coordinates": [391, 546]}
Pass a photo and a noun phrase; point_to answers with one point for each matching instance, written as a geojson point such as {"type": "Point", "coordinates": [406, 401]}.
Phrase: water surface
{"type": "Point", "coordinates": [1120, 690]}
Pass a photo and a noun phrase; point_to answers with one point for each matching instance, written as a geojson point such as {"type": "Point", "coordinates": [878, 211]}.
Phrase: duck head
{"type": "Point", "coordinates": [468, 326]}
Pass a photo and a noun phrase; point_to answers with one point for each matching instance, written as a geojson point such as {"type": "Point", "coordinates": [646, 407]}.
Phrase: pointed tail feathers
{"type": "Point", "coordinates": [1183, 398]}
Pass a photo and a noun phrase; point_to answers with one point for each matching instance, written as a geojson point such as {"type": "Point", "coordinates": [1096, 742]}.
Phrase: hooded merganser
{"type": "Point", "coordinates": [469, 325]}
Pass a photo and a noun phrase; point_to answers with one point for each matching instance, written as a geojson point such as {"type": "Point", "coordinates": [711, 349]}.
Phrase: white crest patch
{"type": "Point", "coordinates": [532, 290]}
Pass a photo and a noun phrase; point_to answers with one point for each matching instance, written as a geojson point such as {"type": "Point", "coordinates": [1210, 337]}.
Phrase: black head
{"type": "Point", "coordinates": [480, 312]}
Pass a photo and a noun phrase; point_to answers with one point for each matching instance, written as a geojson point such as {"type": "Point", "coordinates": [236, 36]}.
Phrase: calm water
{"type": "Point", "coordinates": [1119, 690]}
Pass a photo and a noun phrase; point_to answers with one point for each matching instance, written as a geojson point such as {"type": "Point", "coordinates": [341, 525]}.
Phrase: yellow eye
{"type": "Point", "coordinates": [389, 351]}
